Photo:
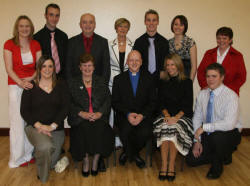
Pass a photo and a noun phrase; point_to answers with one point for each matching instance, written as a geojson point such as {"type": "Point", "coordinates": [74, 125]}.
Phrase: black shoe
{"type": "Point", "coordinates": [94, 173]}
{"type": "Point", "coordinates": [139, 161]}
{"type": "Point", "coordinates": [101, 165]}
{"type": "Point", "coordinates": [212, 175]}
{"type": "Point", "coordinates": [227, 160]}
{"type": "Point", "coordinates": [163, 175]}
{"type": "Point", "coordinates": [123, 158]}
{"type": "Point", "coordinates": [172, 177]}
{"type": "Point", "coordinates": [85, 174]}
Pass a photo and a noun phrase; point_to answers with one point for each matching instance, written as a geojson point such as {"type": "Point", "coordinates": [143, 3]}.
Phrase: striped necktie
{"type": "Point", "coordinates": [210, 108]}
{"type": "Point", "coordinates": [54, 52]}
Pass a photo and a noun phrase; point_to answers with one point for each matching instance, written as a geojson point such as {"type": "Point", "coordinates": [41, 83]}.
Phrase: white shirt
{"type": "Point", "coordinates": [27, 58]}
{"type": "Point", "coordinates": [225, 115]}
{"type": "Point", "coordinates": [220, 58]}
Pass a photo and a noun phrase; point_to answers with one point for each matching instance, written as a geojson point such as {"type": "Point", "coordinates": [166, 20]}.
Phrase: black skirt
{"type": "Point", "coordinates": [91, 137]}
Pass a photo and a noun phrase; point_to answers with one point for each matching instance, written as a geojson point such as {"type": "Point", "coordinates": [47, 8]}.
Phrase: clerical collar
{"type": "Point", "coordinates": [134, 73]}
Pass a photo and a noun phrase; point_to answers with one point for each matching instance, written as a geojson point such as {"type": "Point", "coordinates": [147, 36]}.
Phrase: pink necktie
{"type": "Point", "coordinates": [54, 52]}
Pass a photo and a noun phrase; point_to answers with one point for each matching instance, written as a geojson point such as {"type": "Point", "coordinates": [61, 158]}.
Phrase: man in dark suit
{"type": "Point", "coordinates": [49, 35]}
{"type": "Point", "coordinates": [133, 99]}
{"type": "Point", "coordinates": [152, 46]}
{"type": "Point", "coordinates": [88, 42]}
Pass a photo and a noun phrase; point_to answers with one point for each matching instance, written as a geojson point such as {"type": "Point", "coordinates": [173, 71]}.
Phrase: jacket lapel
{"type": "Point", "coordinates": [115, 50]}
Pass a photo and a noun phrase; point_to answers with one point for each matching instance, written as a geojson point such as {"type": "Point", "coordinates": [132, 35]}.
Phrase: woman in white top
{"type": "Point", "coordinates": [20, 55]}
{"type": "Point", "coordinates": [118, 50]}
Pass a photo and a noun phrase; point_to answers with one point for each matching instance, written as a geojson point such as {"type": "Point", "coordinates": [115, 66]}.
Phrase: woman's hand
{"type": "Point", "coordinates": [95, 116]}
{"type": "Point", "coordinates": [171, 120]}
{"type": "Point", "coordinates": [44, 129]}
{"type": "Point", "coordinates": [25, 84]}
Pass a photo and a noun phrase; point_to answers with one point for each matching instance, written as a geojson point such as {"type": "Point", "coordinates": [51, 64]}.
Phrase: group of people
{"type": "Point", "coordinates": [148, 84]}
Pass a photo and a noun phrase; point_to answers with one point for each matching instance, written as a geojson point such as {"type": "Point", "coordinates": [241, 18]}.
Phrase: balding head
{"type": "Point", "coordinates": [134, 61]}
{"type": "Point", "coordinates": [87, 24]}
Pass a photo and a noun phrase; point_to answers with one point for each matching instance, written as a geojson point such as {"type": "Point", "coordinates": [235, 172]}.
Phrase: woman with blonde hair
{"type": "Point", "coordinates": [20, 55]}
{"type": "Point", "coordinates": [173, 128]}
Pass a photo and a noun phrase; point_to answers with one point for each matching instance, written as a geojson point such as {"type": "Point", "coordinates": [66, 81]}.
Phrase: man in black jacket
{"type": "Point", "coordinates": [53, 41]}
{"type": "Point", "coordinates": [152, 46]}
{"type": "Point", "coordinates": [133, 100]}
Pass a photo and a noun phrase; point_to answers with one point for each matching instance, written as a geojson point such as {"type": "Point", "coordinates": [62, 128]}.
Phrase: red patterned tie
{"type": "Point", "coordinates": [54, 52]}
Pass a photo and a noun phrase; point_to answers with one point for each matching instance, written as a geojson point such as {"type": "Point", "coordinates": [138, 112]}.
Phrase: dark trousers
{"type": "Point", "coordinates": [217, 147]}
{"type": "Point", "coordinates": [134, 137]}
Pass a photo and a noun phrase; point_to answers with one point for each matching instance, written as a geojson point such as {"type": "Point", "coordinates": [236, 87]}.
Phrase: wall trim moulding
{"type": "Point", "coordinates": [5, 132]}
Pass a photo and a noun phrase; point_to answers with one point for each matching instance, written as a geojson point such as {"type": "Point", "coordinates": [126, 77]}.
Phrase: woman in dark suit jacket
{"type": "Point", "coordinates": [231, 59]}
{"type": "Point", "coordinates": [90, 132]}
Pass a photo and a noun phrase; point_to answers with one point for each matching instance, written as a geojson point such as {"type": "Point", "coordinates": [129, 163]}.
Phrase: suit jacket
{"type": "Point", "coordinates": [161, 51]}
{"type": "Point", "coordinates": [124, 101]}
{"type": "Point", "coordinates": [100, 97]}
{"type": "Point", "coordinates": [99, 50]}
{"type": "Point", "coordinates": [233, 64]}
{"type": "Point", "coordinates": [44, 38]}
{"type": "Point", "coordinates": [114, 58]}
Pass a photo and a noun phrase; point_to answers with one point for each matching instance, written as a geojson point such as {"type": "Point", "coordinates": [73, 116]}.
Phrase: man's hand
{"type": "Point", "coordinates": [138, 119]}
{"type": "Point", "coordinates": [197, 149]}
{"type": "Point", "coordinates": [132, 118]}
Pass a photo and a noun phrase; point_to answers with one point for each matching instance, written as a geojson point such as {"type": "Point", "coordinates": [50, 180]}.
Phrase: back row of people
{"type": "Point", "coordinates": [20, 61]}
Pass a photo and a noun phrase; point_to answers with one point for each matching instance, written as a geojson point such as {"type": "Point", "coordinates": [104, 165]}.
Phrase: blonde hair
{"type": "Point", "coordinates": [120, 21]}
{"type": "Point", "coordinates": [179, 65]}
{"type": "Point", "coordinates": [15, 30]}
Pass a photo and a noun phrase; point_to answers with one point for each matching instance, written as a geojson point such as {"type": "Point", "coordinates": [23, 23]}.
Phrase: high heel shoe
{"type": "Point", "coordinates": [163, 175]}
{"type": "Point", "coordinates": [85, 174]}
{"type": "Point", "coordinates": [94, 172]}
{"type": "Point", "coordinates": [171, 177]}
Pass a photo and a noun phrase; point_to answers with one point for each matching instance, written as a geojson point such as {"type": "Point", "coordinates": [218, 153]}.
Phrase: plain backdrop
{"type": "Point", "coordinates": [204, 18]}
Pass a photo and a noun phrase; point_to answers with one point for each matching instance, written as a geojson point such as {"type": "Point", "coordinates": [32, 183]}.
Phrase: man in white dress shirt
{"type": "Point", "coordinates": [216, 124]}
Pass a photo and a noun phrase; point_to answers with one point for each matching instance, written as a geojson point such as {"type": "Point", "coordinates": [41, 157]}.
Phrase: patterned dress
{"type": "Point", "coordinates": [184, 52]}
{"type": "Point", "coordinates": [175, 96]}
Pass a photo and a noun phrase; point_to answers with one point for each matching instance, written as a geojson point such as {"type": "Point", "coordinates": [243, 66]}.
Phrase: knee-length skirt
{"type": "Point", "coordinates": [181, 133]}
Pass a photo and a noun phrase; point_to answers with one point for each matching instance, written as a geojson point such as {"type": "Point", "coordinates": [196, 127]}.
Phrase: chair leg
{"type": "Point", "coordinates": [182, 162]}
{"type": "Point", "coordinates": [107, 161]}
{"type": "Point", "coordinates": [114, 156]}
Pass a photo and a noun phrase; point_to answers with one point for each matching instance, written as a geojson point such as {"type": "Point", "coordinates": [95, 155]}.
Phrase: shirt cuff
{"type": "Point", "coordinates": [208, 127]}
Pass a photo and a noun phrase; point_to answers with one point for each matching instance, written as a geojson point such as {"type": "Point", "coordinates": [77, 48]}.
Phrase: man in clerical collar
{"type": "Point", "coordinates": [216, 124]}
{"type": "Point", "coordinates": [88, 42]}
{"type": "Point", "coordinates": [53, 41]}
{"type": "Point", "coordinates": [133, 100]}
{"type": "Point", "coordinates": [152, 46]}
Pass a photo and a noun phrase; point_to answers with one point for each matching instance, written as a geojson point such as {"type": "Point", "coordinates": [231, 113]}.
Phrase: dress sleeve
{"type": "Point", "coordinates": [8, 45]}
{"type": "Point", "coordinates": [26, 106]}
{"type": "Point", "coordinates": [63, 94]}
{"type": "Point", "coordinates": [187, 101]}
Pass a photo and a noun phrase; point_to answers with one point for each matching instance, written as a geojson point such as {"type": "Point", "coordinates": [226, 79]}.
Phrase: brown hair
{"type": "Point", "coordinates": [86, 58]}
{"type": "Point", "coordinates": [151, 11]}
{"type": "Point", "coordinates": [183, 21]}
{"type": "Point", "coordinates": [39, 66]}
{"type": "Point", "coordinates": [120, 21]}
{"type": "Point", "coordinates": [15, 30]}
{"type": "Point", "coordinates": [179, 65]}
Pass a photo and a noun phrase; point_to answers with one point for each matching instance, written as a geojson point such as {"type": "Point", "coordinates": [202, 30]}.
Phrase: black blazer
{"type": "Point", "coordinates": [161, 51]}
{"type": "Point", "coordinates": [44, 38]}
{"type": "Point", "coordinates": [100, 97]}
{"type": "Point", "coordinates": [124, 101]}
{"type": "Point", "coordinates": [99, 50]}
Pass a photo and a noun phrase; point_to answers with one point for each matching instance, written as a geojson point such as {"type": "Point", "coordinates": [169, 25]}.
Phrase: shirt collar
{"type": "Point", "coordinates": [224, 54]}
{"type": "Point", "coordinates": [132, 74]}
{"type": "Point", "coordinates": [217, 90]}
{"type": "Point", "coordinates": [48, 30]}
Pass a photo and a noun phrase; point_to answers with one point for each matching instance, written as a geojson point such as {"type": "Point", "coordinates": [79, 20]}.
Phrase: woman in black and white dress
{"type": "Point", "coordinates": [173, 128]}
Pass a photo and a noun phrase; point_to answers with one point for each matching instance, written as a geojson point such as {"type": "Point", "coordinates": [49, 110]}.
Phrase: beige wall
{"type": "Point", "coordinates": [204, 19]}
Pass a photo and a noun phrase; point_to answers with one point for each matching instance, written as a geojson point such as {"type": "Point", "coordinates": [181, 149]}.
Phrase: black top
{"type": "Point", "coordinates": [121, 60]}
{"type": "Point", "coordinates": [44, 38]}
{"type": "Point", "coordinates": [124, 100]}
{"type": "Point", "coordinates": [38, 105]}
{"type": "Point", "coordinates": [100, 99]}
{"type": "Point", "coordinates": [175, 96]}
{"type": "Point", "coordinates": [161, 51]}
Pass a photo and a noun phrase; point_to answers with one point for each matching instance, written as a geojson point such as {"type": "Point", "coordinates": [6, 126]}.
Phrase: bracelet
{"type": "Point", "coordinates": [53, 126]}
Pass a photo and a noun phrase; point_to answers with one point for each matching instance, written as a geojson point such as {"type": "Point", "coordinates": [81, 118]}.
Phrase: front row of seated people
{"type": "Point", "coordinates": [211, 138]}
